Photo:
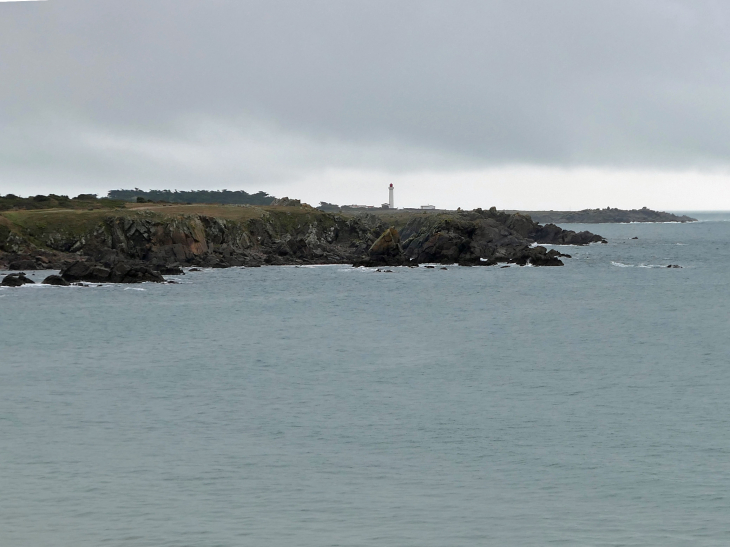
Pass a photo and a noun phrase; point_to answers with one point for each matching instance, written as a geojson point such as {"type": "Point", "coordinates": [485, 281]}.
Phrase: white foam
{"type": "Point", "coordinates": [622, 265]}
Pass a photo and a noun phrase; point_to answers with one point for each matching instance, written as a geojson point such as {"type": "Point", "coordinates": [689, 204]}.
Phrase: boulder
{"type": "Point", "coordinates": [56, 280]}
{"type": "Point", "coordinates": [16, 280]}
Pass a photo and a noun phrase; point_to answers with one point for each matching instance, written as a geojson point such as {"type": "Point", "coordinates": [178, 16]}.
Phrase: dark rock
{"type": "Point", "coordinates": [195, 270]}
{"type": "Point", "coordinates": [26, 264]}
{"type": "Point", "coordinates": [634, 237]}
{"type": "Point", "coordinates": [120, 273]}
{"type": "Point", "coordinates": [56, 280]}
{"type": "Point", "coordinates": [16, 280]}
{"type": "Point", "coordinates": [170, 269]}
{"type": "Point", "coordinates": [539, 256]}
{"type": "Point", "coordinates": [485, 238]}
{"type": "Point", "coordinates": [553, 235]}
{"type": "Point", "coordinates": [674, 266]}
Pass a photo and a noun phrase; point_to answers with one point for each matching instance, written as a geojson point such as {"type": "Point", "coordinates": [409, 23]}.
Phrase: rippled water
{"type": "Point", "coordinates": [323, 406]}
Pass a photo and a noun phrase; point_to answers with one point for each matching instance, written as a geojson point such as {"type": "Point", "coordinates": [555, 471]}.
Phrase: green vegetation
{"type": "Point", "coordinates": [53, 201]}
{"type": "Point", "coordinates": [226, 197]}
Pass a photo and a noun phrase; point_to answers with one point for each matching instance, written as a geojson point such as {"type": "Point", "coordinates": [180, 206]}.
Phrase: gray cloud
{"type": "Point", "coordinates": [394, 85]}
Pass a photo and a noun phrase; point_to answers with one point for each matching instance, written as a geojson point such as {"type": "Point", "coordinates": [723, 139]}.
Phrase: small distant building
{"type": "Point", "coordinates": [428, 207]}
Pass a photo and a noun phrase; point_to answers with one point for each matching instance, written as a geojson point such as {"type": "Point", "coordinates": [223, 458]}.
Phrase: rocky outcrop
{"type": "Point", "coordinates": [286, 202]}
{"type": "Point", "coordinates": [484, 238]}
{"type": "Point", "coordinates": [120, 272]}
{"type": "Point", "coordinates": [16, 280]}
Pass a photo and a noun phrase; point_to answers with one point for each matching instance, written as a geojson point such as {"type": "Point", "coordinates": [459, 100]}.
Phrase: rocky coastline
{"type": "Point", "coordinates": [145, 243]}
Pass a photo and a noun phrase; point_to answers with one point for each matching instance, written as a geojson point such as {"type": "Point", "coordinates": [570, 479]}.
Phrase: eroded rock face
{"type": "Point", "coordinates": [386, 251]}
{"type": "Point", "coordinates": [16, 280]}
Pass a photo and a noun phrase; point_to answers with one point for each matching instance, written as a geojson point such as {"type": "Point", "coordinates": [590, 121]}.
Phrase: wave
{"type": "Point", "coordinates": [622, 265]}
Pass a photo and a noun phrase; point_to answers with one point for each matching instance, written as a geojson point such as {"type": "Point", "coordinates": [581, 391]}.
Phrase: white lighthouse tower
{"type": "Point", "coordinates": [391, 203]}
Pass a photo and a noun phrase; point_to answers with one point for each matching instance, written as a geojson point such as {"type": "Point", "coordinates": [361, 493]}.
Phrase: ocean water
{"type": "Point", "coordinates": [333, 406]}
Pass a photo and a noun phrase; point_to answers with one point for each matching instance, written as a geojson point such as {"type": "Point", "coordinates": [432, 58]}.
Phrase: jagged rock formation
{"type": "Point", "coordinates": [485, 237]}
{"type": "Point", "coordinates": [163, 239]}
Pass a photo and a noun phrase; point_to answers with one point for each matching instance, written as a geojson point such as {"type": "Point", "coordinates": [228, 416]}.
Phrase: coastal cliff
{"type": "Point", "coordinates": [166, 237]}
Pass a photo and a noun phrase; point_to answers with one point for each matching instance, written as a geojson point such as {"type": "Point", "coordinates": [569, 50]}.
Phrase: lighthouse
{"type": "Point", "coordinates": [391, 203]}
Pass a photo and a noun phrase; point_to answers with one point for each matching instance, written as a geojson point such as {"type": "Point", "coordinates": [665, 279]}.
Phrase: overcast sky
{"type": "Point", "coordinates": [518, 104]}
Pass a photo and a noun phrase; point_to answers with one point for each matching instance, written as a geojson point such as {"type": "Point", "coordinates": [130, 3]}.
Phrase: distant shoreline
{"type": "Point", "coordinates": [585, 216]}
{"type": "Point", "coordinates": [606, 216]}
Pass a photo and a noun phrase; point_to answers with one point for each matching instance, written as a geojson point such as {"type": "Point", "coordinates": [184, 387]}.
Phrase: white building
{"type": "Point", "coordinates": [428, 206]}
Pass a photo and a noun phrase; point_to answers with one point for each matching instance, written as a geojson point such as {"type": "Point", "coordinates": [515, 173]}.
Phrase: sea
{"type": "Point", "coordinates": [587, 405]}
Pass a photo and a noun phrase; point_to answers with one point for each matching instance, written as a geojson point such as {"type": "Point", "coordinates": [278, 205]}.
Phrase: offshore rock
{"type": "Point", "coordinates": [119, 273]}
{"type": "Point", "coordinates": [56, 280]}
{"type": "Point", "coordinates": [16, 280]}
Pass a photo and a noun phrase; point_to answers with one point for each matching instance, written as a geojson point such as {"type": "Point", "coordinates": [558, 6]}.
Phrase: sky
{"type": "Point", "coordinates": [519, 104]}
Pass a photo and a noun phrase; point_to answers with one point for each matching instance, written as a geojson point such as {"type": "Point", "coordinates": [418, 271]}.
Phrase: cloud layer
{"type": "Point", "coordinates": [263, 94]}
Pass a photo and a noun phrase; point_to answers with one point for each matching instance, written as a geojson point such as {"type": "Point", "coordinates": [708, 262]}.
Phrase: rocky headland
{"type": "Point", "coordinates": [606, 216]}
{"type": "Point", "coordinates": [143, 242]}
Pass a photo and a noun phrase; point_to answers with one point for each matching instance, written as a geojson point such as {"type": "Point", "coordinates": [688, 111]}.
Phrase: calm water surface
{"type": "Point", "coordinates": [332, 406]}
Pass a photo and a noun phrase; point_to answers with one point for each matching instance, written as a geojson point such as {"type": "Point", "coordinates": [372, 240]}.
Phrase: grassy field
{"type": "Point", "coordinates": [33, 223]}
